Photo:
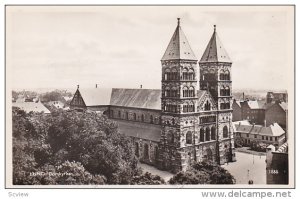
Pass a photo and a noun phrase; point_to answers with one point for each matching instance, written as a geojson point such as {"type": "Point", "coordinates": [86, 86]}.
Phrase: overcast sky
{"type": "Point", "coordinates": [60, 47]}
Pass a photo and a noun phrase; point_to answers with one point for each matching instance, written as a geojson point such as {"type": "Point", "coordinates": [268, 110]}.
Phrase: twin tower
{"type": "Point", "coordinates": [196, 104]}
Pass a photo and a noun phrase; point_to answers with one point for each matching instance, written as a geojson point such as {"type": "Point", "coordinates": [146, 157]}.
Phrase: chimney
{"type": "Point", "coordinates": [141, 86]}
{"type": "Point", "coordinates": [96, 85]}
{"type": "Point", "coordinates": [243, 96]}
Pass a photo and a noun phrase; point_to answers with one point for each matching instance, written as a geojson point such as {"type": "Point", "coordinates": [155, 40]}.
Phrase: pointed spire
{"type": "Point", "coordinates": [179, 47]}
{"type": "Point", "coordinates": [215, 52]}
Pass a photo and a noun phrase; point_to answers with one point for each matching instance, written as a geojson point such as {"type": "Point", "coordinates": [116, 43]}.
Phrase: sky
{"type": "Point", "coordinates": [121, 46]}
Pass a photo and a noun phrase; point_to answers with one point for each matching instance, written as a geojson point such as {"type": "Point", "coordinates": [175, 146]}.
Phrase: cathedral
{"type": "Point", "coordinates": [188, 120]}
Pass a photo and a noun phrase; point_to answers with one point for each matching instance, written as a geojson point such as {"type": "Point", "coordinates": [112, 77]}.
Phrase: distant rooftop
{"type": "Point", "coordinates": [272, 130]}
{"type": "Point", "coordinates": [31, 106]}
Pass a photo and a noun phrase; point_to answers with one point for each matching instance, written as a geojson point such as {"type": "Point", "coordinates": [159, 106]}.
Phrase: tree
{"type": "Point", "coordinates": [147, 179]}
{"type": "Point", "coordinates": [203, 173]}
{"type": "Point", "coordinates": [90, 140]}
{"type": "Point", "coordinates": [52, 96]}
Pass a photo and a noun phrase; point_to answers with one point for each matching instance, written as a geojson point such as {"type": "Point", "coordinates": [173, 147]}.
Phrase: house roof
{"type": "Point", "coordinates": [31, 106]}
{"type": "Point", "coordinates": [139, 130]}
{"type": "Point", "coordinates": [133, 98]}
{"type": "Point", "coordinates": [136, 98]}
{"type": "Point", "coordinates": [179, 47]}
{"type": "Point", "coordinates": [256, 104]}
{"type": "Point", "coordinates": [96, 96]}
{"type": "Point", "coordinates": [215, 51]}
{"type": "Point", "coordinates": [283, 105]}
{"type": "Point", "coordinates": [272, 130]}
{"type": "Point", "coordinates": [283, 148]}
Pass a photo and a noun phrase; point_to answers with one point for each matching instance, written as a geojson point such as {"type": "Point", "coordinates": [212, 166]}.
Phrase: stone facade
{"type": "Point", "coordinates": [195, 114]}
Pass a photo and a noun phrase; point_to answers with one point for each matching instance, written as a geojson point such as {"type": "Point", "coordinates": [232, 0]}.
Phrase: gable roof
{"type": "Point", "coordinates": [96, 96]}
{"type": "Point", "coordinates": [215, 51]}
{"type": "Point", "coordinates": [283, 105]}
{"type": "Point", "coordinates": [133, 98]}
{"type": "Point", "coordinates": [31, 106]}
{"type": "Point", "coordinates": [272, 130]}
{"type": "Point", "coordinates": [179, 47]}
{"type": "Point", "coordinates": [136, 98]}
{"type": "Point", "coordinates": [254, 104]}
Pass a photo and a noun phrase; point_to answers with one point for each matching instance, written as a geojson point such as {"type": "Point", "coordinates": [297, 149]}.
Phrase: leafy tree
{"type": "Point", "coordinates": [52, 96]}
{"type": "Point", "coordinates": [43, 141]}
{"type": "Point", "coordinates": [203, 173]}
{"type": "Point", "coordinates": [147, 179]}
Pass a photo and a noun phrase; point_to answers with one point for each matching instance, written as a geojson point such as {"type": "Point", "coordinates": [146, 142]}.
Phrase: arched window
{"type": "Point", "coordinates": [151, 119]}
{"type": "Point", "coordinates": [207, 106]}
{"type": "Point", "coordinates": [156, 153]}
{"type": "Point", "coordinates": [191, 107]}
{"type": "Point", "coordinates": [137, 150]}
{"type": "Point", "coordinates": [146, 151]}
{"type": "Point", "coordinates": [174, 92]}
{"type": "Point", "coordinates": [213, 133]}
{"type": "Point", "coordinates": [126, 115]}
{"type": "Point", "coordinates": [142, 117]}
{"type": "Point", "coordinates": [222, 91]}
{"type": "Point", "coordinates": [185, 91]}
{"type": "Point", "coordinates": [189, 137]}
{"type": "Point", "coordinates": [167, 92]}
{"type": "Point", "coordinates": [167, 74]}
{"type": "Point", "coordinates": [191, 92]}
{"type": "Point", "coordinates": [170, 138]}
{"type": "Point", "coordinates": [225, 132]}
{"type": "Point", "coordinates": [174, 74]}
{"type": "Point", "coordinates": [184, 74]}
{"type": "Point", "coordinates": [207, 134]}
{"type": "Point", "coordinates": [227, 91]}
{"type": "Point", "coordinates": [226, 75]}
{"type": "Point", "coordinates": [111, 113]}
{"type": "Point", "coordinates": [202, 135]}
{"type": "Point", "coordinates": [222, 75]}
{"type": "Point", "coordinates": [134, 116]}
{"type": "Point", "coordinates": [191, 74]}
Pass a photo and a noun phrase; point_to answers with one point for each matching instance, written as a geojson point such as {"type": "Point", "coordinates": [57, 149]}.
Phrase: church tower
{"type": "Point", "coordinates": [215, 76]}
{"type": "Point", "coordinates": [178, 100]}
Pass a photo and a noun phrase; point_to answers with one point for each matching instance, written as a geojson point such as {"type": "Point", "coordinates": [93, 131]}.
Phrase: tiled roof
{"type": "Point", "coordinates": [215, 51]}
{"type": "Point", "coordinates": [139, 130]}
{"type": "Point", "coordinates": [96, 96]}
{"type": "Point", "coordinates": [272, 130]}
{"type": "Point", "coordinates": [31, 106]}
{"type": "Point", "coordinates": [283, 148]}
{"type": "Point", "coordinates": [179, 47]}
{"type": "Point", "coordinates": [136, 98]}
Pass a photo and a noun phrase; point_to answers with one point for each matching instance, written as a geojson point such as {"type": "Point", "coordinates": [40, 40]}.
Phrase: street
{"type": "Point", "coordinates": [248, 167]}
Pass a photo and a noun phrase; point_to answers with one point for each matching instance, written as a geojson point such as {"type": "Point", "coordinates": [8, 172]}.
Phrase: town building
{"type": "Point", "coordinates": [277, 167]}
{"type": "Point", "coordinates": [253, 111]}
{"type": "Point", "coordinates": [236, 111]}
{"type": "Point", "coordinates": [189, 119]}
{"type": "Point", "coordinates": [278, 113]}
{"type": "Point", "coordinates": [250, 133]}
{"type": "Point", "coordinates": [37, 107]}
